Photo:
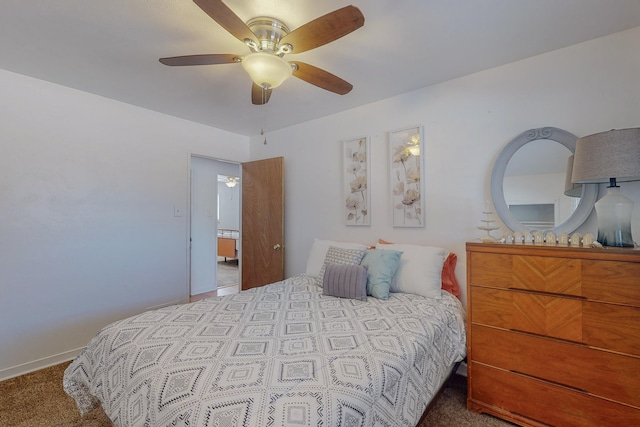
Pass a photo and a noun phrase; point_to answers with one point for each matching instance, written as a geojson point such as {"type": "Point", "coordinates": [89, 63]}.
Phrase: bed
{"type": "Point", "coordinates": [285, 354]}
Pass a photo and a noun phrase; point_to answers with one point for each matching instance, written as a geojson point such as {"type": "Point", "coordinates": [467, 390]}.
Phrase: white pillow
{"type": "Point", "coordinates": [420, 269]}
{"type": "Point", "coordinates": [319, 252]}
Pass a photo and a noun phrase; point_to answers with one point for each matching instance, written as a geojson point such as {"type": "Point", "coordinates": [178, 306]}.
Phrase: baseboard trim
{"type": "Point", "coordinates": [198, 291]}
{"type": "Point", "coordinates": [165, 304]}
{"type": "Point", "coordinates": [35, 365]}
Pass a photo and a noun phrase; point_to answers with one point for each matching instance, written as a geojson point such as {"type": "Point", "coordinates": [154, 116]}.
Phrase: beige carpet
{"type": "Point", "coordinates": [38, 400]}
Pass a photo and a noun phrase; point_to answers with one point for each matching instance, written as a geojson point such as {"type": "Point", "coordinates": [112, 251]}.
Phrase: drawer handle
{"type": "Point", "coordinates": [551, 294]}
{"type": "Point", "coordinates": [548, 337]}
{"type": "Point", "coordinates": [552, 382]}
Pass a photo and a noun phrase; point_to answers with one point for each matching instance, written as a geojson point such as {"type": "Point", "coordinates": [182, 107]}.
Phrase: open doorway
{"type": "Point", "coordinates": [228, 217]}
{"type": "Point", "coordinates": [208, 206]}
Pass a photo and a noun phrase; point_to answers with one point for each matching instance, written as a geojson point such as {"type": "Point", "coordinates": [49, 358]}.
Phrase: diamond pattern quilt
{"type": "Point", "coordinates": [279, 355]}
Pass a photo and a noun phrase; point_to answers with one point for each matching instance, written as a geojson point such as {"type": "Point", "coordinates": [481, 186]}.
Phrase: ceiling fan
{"type": "Point", "coordinates": [269, 40]}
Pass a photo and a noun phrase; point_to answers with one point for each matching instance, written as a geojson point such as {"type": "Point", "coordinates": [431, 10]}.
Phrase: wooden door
{"type": "Point", "coordinates": [262, 222]}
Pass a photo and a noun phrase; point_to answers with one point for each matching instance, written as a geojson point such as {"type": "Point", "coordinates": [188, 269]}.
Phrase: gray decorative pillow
{"type": "Point", "coordinates": [341, 256]}
{"type": "Point", "coordinates": [345, 281]}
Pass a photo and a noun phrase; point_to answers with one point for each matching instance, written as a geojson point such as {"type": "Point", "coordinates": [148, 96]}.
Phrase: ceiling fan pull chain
{"type": "Point", "coordinates": [264, 95]}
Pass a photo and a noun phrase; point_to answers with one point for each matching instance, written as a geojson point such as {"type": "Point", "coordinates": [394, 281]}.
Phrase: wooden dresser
{"type": "Point", "coordinates": [554, 334]}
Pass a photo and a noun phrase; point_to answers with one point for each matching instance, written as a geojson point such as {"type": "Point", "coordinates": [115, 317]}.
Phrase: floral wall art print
{"type": "Point", "coordinates": [407, 177]}
{"type": "Point", "coordinates": [357, 196]}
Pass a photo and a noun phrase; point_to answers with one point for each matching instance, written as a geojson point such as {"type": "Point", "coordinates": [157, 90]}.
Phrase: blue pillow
{"type": "Point", "coordinates": [381, 266]}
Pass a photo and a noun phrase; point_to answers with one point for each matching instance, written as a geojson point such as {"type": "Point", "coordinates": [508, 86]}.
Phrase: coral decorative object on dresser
{"type": "Point", "coordinates": [554, 334]}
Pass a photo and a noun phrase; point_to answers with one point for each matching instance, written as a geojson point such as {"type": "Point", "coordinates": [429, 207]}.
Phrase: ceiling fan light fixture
{"type": "Point", "coordinates": [269, 40]}
{"type": "Point", "coordinates": [266, 69]}
{"type": "Point", "coordinates": [231, 181]}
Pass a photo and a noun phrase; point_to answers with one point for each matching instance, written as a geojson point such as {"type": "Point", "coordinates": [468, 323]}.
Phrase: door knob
{"type": "Point", "coordinates": [276, 246]}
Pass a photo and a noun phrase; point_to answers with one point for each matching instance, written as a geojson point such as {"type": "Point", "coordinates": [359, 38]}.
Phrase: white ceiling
{"type": "Point", "coordinates": [111, 48]}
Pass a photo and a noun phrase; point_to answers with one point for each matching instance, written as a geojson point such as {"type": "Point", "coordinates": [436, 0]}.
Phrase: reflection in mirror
{"type": "Point", "coordinates": [534, 185]}
{"type": "Point", "coordinates": [571, 189]}
{"type": "Point", "coordinates": [528, 183]}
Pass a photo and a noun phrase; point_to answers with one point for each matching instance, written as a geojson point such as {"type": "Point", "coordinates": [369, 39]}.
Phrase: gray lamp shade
{"type": "Point", "coordinates": [571, 189]}
{"type": "Point", "coordinates": [605, 155]}
{"type": "Point", "coordinates": [610, 157]}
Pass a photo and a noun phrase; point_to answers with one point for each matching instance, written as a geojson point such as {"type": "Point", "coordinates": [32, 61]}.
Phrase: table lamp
{"type": "Point", "coordinates": [612, 157]}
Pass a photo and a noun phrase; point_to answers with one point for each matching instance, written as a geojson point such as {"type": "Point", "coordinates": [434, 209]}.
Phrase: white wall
{"type": "Point", "coordinates": [584, 89]}
{"type": "Point", "coordinates": [88, 234]}
{"type": "Point", "coordinates": [229, 205]}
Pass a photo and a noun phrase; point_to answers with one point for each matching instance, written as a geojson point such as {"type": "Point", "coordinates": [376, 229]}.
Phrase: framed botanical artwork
{"type": "Point", "coordinates": [406, 154]}
{"type": "Point", "coordinates": [356, 192]}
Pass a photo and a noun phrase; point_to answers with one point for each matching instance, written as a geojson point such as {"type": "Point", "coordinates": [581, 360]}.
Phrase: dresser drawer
{"type": "Point", "coordinates": [527, 312]}
{"type": "Point", "coordinates": [598, 280]}
{"type": "Point", "coordinates": [495, 270]}
{"type": "Point", "coordinates": [518, 397]}
{"type": "Point", "coordinates": [612, 326]}
{"type": "Point", "coordinates": [608, 326]}
{"type": "Point", "coordinates": [543, 274]}
{"type": "Point", "coordinates": [612, 281]}
{"type": "Point", "coordinates": [596, 372]}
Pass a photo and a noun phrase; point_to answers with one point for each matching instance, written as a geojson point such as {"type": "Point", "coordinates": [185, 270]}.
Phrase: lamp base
{"type": "Point", "coordinates": [614, 219]}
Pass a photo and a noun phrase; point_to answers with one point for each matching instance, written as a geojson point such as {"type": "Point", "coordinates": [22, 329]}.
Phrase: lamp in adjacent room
{"type": "Point", "coordinates": [231, 181]}
{"type": "Point", "coordinates": [571, 189]}
{"type": "Point", "coordinates": [612, 157]}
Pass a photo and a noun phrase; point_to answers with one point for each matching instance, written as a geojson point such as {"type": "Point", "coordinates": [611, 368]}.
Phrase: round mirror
{"type": "Point", "coordinates": [528, 183]}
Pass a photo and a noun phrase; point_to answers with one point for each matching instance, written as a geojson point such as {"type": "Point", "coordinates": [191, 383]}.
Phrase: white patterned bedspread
{"type": "Point", "coordinates": [278, 355]}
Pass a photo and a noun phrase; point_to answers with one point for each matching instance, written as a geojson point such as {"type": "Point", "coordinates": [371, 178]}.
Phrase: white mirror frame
{"type": "Point", "coordinates": [589, 191]}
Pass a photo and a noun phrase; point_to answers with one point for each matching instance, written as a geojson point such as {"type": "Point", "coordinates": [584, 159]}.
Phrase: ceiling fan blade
{"type": "Point", "coordinates": [227, 19]}
{"type": "Point", "coordinates": [259, 96]}
{"type": "Point", "coordinates": [325, 29]}
{"type": "Point", "coordinates": [321, 78]}
{"type": "Point", "coordinates": [211, 59]}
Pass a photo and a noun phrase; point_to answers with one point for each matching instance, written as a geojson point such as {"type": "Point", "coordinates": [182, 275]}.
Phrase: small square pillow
{"type": "Point", "coordinates": [381, 266]}
{"type": "Point", "coordinates": [319, 252]}
{"type": "Point", "coordinates": [340, 256]}
{"type": "Point", "coordinates": [345, 281]}
{"type": "Point", "coordinates": [420, 269]}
